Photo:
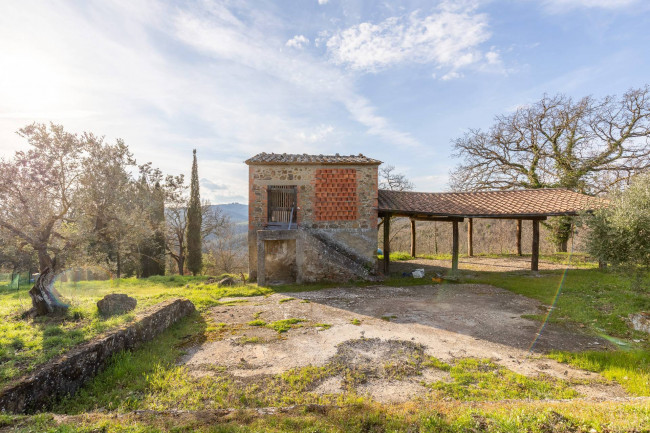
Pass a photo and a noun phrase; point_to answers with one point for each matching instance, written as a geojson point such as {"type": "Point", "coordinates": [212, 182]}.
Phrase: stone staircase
{"type": "Point", "coordinates": [342, 256]}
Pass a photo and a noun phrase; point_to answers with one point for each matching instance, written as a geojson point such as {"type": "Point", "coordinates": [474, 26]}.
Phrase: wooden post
{"type": "Point", "coordinates": [454, 248]}
{"type": "Point", "coordinates": [470, 235]}
{"type": "Point", "coordinates": [413, 238]}
{"type": "Point", "coordinates": [518, 237]}
{"type": "Point", "coordinates": [386, 244]}
{"type": "Point", "coordinates": [534, 261]}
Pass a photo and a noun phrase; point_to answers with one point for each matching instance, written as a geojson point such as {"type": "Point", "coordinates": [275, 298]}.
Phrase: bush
{"type": "Point", "coordinates": [620, 232]}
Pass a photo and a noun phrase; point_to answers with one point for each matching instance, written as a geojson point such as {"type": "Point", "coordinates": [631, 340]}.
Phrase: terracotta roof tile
{"type": "Point", "coordinates": [535, 202]}
{"type": "Point", "coordinates": [292, 158]}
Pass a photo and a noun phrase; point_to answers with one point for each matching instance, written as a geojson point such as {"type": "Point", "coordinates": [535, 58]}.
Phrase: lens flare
{"type": "Point", "coordinates": [555, 298]}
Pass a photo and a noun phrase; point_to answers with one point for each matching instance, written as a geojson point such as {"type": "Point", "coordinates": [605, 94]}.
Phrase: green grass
{"type": "Point", "coordinates": [364, 418]}
{"type": "Point", "coordinates": [283, 300]}
{"type": "Point", "coordinates": [481, 380]}
{"type": "Point", "coordinates": [257, 322]}
{"type": "Point", "coordinates": [284, 325]}
{"type": "Point", "coordinates": [630, 369]}
{"type": "Point", "coordinates": [355, 321]}
{"type": "Point", "coordinates": [27, 343]}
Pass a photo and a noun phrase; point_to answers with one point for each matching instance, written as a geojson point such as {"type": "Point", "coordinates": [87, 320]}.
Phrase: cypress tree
{"type": "Point", "coordinates": [194, 254]}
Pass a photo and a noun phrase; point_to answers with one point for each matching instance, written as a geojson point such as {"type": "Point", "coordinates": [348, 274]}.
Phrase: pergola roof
{"type": "Point", "coordinates": [295, 158]}
{"type": "Point", "coordinates": [523, 204]}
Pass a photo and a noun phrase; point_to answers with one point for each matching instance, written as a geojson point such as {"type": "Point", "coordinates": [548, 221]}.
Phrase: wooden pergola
{"type": "Point", "coordinates": [534, 205]}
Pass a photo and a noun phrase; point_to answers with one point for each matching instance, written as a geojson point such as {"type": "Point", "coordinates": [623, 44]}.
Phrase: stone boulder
{"type": "Point", "coordinates": [641, 321]}
{"type": "Point", "coordinates": [227, 281]}
{"type": "Point", "coordinates": [116, 303]}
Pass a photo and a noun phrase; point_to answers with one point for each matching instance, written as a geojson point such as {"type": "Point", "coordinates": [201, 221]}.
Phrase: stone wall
{"type": "Point", "coordinates": [63, 376]}
{"type": "Point", "coordinates": [348, 213]}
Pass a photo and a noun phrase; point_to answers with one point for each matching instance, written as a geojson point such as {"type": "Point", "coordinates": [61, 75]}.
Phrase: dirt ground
{"type": "Point", "coordinates": [375, 327]}
{"type": "Point", "coordinates": [476, 263]}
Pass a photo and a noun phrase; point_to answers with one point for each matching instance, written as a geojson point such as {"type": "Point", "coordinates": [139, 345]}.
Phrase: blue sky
{"type": "Point", "coordinates": [396, 81]}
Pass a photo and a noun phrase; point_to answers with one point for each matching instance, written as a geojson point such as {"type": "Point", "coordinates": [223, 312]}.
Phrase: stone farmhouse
{"type": "Point", "coordinates": [316, 217]}
{"type": "Point", "coordinates": [312, 217]}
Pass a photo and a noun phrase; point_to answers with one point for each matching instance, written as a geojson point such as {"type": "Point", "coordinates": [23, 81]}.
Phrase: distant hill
{"type": "Point", "coordinates": [237, 212]}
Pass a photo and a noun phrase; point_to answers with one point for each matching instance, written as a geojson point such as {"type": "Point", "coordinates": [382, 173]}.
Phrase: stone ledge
{"type": "Point", "coordinates": [64, 375]}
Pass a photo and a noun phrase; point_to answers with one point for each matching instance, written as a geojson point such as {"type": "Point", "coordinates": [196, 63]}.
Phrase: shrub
{"type": "Point", "coordinates": [620, 232]}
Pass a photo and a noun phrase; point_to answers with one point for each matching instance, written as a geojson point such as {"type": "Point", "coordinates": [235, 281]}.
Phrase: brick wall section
{"type": "Point", "coordinates": [336, 195]}
{"type": "Point", "coordinates": [306, 178]}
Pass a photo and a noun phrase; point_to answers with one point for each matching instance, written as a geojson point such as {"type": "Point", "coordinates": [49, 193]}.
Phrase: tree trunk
{"type": "Point", "coordinates": [45, 298]}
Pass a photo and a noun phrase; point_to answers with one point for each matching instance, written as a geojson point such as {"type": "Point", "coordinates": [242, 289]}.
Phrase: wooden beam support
{"type": "Point", "coordinates": [386, 244]}
{"type": "Point", "coordinates": [518, 237]}
{"type": "Point", "coordinates": [534, 261]}
{"type": "Point", "coordinates": [454, 247]}
{"type": "Point", "coordinates": [413, 238]}
{"type": "Point", "coordinates": [470, 237]}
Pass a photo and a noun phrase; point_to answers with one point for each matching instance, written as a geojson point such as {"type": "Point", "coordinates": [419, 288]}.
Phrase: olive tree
{"type": "Point", "coordinates": [620, 232]}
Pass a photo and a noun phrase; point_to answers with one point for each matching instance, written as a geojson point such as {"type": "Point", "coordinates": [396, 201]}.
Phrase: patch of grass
{"type": "Point", "coordinates": [433, 362]}
{"type": "Point", "coordinates": [388, 318]}
{"type": "Point", "coordinates": [355, 321]}
{"type": "Point", "coordinates": [28, 343]}
{"type": "Point", "coordinates": [257, 322]}
{"type": "Point", "coordinates": [630, 369]}
{"type": "Point", "coordinates": [364, 417]}
{"type": "Point", "coordinates": [284, 325]}
{"type": "Point", "coordinates": [250, 340]}
{"type": "Point", "coordinates": [323, 326]}
{"type": "Point", "coordinates": [481, 379]}
{"type": "Point", "coordinates": [283, 300]}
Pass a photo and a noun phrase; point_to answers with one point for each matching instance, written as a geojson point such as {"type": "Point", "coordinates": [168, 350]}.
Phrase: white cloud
{"type": "Point", "coordinates": [298, 41]}
{"type": "Point", "coordinates": [447, 38]}
{"type": "Point", "coordinates": [323, 2]}
{"type": "Point", "coordinates": [172, 79]}
{"type": "Point", "coordinates": [453, 75]}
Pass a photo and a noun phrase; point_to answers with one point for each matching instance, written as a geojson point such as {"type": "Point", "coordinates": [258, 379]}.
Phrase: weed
{"type": "Point", "coordinates": [257, 322]}
{"type": "Point", "coordinates": [355, 321]}
{"type": "Point", "coordinates": [283, 300]}
{"type": "Point", "coordinates": [323, 326]}
{"type": "Point", "coordinates": [284, 325]}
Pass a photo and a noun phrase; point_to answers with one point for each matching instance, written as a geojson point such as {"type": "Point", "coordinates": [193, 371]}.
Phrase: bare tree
{"type": "Point", "coordinates": [389, 179]}
{"type": "Point", "coordinates": [588, 146]}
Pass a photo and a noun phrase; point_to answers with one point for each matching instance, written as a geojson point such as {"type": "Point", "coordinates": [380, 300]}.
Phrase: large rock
{"type": "Point", "coordinates": [641, 321]}
{"type": "Point", "coordinates": [116, 303]}
{"type": "Point", "coordinates": [226, 281]}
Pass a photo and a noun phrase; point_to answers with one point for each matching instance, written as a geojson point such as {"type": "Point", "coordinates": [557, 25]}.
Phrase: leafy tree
{"type": "Point", "coordinates": [45, 200]}
{"type": "Point", "coordinates": [151, 201]}
{"type": "Point", "coordinates": [620, 232]}
{"type": "Point", "coordinates": [109, 201]}
{"type": "Point", "coordinates": [588, 146]}
{"type": "Point", "coordinates": [194, 241]}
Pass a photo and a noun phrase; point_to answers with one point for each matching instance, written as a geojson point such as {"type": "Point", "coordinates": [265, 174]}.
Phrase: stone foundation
{"type": "Point", "coordinates": [63, 376]}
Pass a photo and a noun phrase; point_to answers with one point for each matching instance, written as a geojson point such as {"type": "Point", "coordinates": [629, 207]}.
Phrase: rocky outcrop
{"type": "Point", "coordinates": [641, 321]}
{"type": "Point", "coordinates": [63, 376]}
{"type": "Point", "coordinates": [116, 303]}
